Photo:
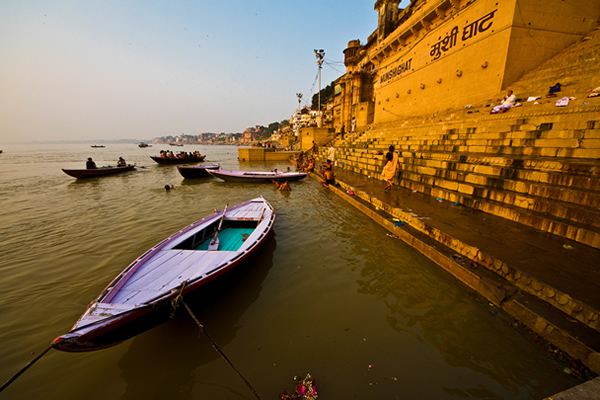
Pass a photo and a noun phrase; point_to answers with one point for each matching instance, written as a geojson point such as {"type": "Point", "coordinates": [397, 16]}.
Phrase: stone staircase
{"type": "Point", "coordinates": [537, 164]}
{"type": "Point", "coordinates": [577, 69]}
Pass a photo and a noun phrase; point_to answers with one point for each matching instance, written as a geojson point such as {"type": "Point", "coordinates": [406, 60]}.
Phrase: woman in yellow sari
{"type": "Point", "coordinates": [389, 170]}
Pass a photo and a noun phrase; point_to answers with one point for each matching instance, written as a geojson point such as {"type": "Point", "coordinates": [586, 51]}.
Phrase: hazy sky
{"type": "Point", "coordinates": [77, 70]}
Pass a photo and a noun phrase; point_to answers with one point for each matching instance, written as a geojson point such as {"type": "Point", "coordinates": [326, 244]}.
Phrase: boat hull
{"type": "Point", "coordinates": [197, 171]}
{"type": "Point", "coordinates": [258, 177]}
{"type": "Point", "coordinates": [174, 161]}
{"type": "Point", "coordinates": [96, 172]}
{"type": "Point", "coordinates": [142, 295]}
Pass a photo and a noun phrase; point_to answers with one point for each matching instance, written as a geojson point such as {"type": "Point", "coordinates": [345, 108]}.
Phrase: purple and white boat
{"type": "Point", "coordinates": [143, 292]}
{"type": "Point", "coordinates": [196, 171]}
{"type": "Point", "coordinates": [257, 176]}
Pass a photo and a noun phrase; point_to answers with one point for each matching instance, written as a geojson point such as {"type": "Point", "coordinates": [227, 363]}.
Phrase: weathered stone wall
{"type": "Point", "coordinates": [448, 55]}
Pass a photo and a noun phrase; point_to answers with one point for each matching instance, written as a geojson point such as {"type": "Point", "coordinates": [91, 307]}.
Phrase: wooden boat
{"type": "Point", "coordinates": [197, 171]}
{"type": "Point", "coordinates": [257, 176]}
{"type": "Point", "coordinates": [144, 145]}
{"type": "Point", "coordinates": [92, 173]}
{"type": "Point", "coordinates": [178, 265]}
{"type": "Point", "coordinates": [175, 160]}
{"type": "Point", "coordinates": [176, 144]}
{"type": "Point", "coordinates": [98, 146]}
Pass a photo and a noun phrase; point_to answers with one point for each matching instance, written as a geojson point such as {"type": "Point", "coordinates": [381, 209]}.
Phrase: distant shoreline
{"type": "Point", "coordinates": [90, 142]}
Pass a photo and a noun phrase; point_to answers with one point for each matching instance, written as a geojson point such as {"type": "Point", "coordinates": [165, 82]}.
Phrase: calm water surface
{"type": "Point", "coordinates": [330, 294]}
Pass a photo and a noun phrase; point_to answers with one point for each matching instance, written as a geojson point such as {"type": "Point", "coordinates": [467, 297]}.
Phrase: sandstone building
{"type": "Point", "coordinates": [437, 55]}
{"type": "Point", "coordinates": [424, 82]}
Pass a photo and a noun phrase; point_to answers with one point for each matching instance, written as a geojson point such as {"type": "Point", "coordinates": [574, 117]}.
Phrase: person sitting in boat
{"type": "Point", "coordinates": [121, 162]}
{"type": "Point", "coordinates": [90, 164]}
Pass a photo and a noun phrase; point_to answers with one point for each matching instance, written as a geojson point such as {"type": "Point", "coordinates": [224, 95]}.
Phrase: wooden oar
{"type": "Point", "coordinates": [214, 243]}
{"type": "Point", "coordinates": [261, 216]}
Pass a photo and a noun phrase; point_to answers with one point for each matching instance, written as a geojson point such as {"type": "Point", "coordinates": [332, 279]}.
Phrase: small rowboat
{"type": "Point", "coordinates": [92, 173]}
{"type": "Point", "coordinates": [175, 160]}
{"type": "Point", "coordinates": [98, 146]}
{"type": "Point", "coordinates": [197, 171]}
{"type": "Point", "coordinates": [175, 267]}
{"type": "Point", "coordinates": [254, 176]}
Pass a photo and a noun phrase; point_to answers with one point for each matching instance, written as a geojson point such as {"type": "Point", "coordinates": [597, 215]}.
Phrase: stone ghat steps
{"type": "Point", "coordinates": [572, 214]}
{"type": "Point", "coordinates": [542, 178]}
{"type": "Point", "coordinates": [543, 131]}
{"type": "Point", "coordinates": [542, 171]}
{"type": "Point", "coordinates": [576, 68]}
{"type": "Point", "coordinates": [567, 322]}
{"type": "Point", "coordinates": [477, 176]}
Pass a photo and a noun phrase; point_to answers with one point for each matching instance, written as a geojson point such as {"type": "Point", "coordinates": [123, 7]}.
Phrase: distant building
{"type": "Point", "coordinates": [251, 135]}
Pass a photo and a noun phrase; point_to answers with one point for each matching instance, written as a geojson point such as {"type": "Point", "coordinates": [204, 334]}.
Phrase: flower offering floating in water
{"type": "Point", "coordinates": [305, 389]}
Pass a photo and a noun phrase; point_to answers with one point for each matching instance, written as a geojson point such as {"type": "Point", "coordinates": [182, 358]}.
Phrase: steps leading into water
{"type": "Point", "coordinates": [536, 166]}
{"type": "Point", "coordinates": [509, 169]}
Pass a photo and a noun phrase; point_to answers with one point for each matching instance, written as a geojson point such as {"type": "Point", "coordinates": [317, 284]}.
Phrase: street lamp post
{"type": "Point", "coordinates": [299, 95]}
{"type": "Point", "coordinates": [320, 54]}
{"type": "Point", "coordinates": [296, 123]}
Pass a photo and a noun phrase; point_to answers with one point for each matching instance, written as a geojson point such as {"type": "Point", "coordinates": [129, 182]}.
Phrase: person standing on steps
{"type": "Point", "coordinates": [389, 170]}
{"type": "Point", "coordinates": [331, 155]}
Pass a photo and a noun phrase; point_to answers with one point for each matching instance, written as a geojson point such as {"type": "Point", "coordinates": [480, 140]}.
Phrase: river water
{"type": "Point", "coordinates": [329, 294]}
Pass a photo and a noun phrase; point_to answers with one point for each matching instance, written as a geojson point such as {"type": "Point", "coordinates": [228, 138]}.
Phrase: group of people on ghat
{"type": "Point", "coordinates": [305, 164]}
{"type": "Point", "coordinates": [90, 164]}
{"type": "Point", "coordinates": [391, 172]}
{"type": "Point", "coordinates": [181, 154]}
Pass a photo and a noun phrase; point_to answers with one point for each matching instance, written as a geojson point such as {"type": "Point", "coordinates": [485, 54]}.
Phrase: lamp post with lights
{"type": "Point", "coordinates": [320, 54]}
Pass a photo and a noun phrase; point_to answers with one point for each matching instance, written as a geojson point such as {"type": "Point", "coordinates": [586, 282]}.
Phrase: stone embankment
{"type": "Point", "coordinates": [507, 203]}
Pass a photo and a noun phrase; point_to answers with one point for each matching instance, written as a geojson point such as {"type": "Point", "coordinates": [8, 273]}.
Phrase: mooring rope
{"type": "Point", "coordinates": [175, 303]}
{"type": "Point", "coordinates": [177, 300]}
{"type": "Point", "coordinates": [217, 349]}
{"type": "Point", "coordinates": [11, 380]}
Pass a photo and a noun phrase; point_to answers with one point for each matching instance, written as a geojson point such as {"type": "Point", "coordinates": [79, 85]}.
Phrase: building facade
{"type": "Point", "coordinates": [437, 55]}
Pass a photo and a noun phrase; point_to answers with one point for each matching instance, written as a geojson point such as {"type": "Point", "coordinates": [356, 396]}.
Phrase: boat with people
{"type": "Point", "coordinates": [178, 160]}
{"type": "Point", "coordinates": [142, 144]}
{"type": "Point", "coordinates": [197, 171]}
{"type": "Point", "coordinates": [98, 146]}
{"type": "Point", "coordinates": [258, 176]}
{"type": "Point", "coordinates": [177, 266]}
{"type": "Point", "coordinates": [96, 172]}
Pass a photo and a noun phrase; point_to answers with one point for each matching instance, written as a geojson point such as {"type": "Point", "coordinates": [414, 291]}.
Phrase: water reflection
{"type": "Point", "coordinates": [219, 307]}
{"type": "Point", "coordinates": [331, 295]}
